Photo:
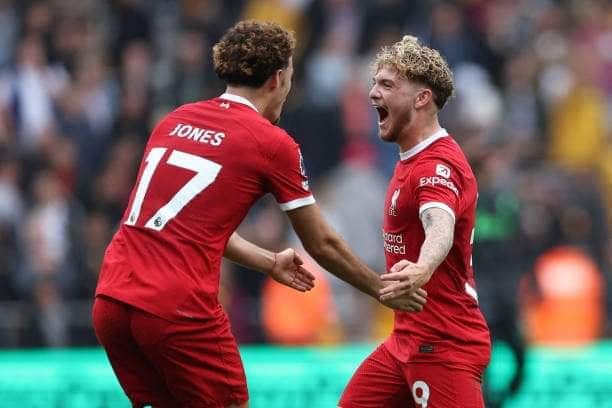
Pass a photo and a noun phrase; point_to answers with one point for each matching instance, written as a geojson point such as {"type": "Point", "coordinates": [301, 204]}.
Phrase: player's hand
{"type": "Point", "coordinates": [289, 271]}
{"type": "Point", "coordinates": [406, 278]}
{"type": "Point", "coordinates": [413, 302]}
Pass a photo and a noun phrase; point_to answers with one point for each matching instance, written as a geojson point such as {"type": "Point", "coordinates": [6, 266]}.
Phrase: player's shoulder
{"type": "Point", "coordinates": [270, 137]}
{"type": "Point", "coordinates": [191, 108]}
{"type": "Point", "coordinates": [263, 128]}
{"type": "Point", "coordinates": [447, 150]}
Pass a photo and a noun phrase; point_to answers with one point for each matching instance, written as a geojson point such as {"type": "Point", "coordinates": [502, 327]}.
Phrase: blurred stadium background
{"type": "Point", "coordinates": [82, 82]}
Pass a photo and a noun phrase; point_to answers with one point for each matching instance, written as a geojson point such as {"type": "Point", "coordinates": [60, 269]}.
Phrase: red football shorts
{"type": "Point", "coordinates": [167, 364]}
{"type": "Point", "coordinates": [381, 381]}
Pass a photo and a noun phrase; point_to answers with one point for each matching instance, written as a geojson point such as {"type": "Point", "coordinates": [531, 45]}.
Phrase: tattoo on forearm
{"type": "Point", "coordinates": [439, 229]}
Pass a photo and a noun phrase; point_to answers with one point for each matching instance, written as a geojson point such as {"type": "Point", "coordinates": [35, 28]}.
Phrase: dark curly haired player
{"type": "Point", "coordinates": [156, 311]}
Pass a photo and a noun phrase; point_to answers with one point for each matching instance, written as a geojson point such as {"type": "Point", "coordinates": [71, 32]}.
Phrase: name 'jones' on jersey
{"type": "Point", "coordinates": [212, 137]}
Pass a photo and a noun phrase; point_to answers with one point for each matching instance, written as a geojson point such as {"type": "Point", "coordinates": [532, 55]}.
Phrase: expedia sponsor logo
{"type": "Point", "coordinates": [394, 243]}
{"type": "Point", "coordinates": [435, 180]}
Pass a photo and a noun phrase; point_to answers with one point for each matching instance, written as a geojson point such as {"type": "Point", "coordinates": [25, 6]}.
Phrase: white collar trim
{"type": "Point", "coordinates": [423, 145]}
{"type": "Point", "coordinates": [239, 99]}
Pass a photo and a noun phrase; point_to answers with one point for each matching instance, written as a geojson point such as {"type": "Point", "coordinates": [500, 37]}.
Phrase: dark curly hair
{"type": "Point", "coordinates": [251, 51]}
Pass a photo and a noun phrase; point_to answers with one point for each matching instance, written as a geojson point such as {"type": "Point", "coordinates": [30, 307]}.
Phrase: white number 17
{"type": "Point", "coordinates": [206, 172]}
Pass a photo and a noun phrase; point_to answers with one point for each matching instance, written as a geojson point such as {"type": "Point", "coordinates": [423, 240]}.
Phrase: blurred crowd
{"type": "Point", "coordinates": [82, 83]}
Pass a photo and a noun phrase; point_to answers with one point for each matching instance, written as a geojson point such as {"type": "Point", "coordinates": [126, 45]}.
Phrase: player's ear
{"type": "Point", "coordinates": [275, 80]}
{"type": "Point", "coordinates": [424, 96]}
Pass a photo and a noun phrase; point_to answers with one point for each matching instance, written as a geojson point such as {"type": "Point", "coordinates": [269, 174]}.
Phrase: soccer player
{"type": "Point", "coordinates": [435, 358]}
{"type": "Point", "coordinates": [156, 311]}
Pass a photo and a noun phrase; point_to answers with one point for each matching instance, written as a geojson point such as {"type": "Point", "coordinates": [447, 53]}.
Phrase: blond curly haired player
{"type": "Point", "coordinates": [435, 358]}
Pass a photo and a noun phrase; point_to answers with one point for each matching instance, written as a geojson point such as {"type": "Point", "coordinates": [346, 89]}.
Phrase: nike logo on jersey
{"type": "Point", "coordinates": [196, 134]}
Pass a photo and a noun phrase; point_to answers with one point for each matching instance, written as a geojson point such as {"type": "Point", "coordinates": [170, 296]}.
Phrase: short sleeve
{"type": "Point", "coordinates": [437, 184]}
{"type": "Point", "coordinates": [287, 177]}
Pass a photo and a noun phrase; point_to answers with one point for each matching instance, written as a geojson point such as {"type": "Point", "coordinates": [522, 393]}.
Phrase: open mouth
{"type": "Point", "coordinates": [383, 114]}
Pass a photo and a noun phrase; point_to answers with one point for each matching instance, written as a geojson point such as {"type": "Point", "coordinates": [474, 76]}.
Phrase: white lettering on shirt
{"type": "Point", "coordinates": [435, 180]}
{"type": "Point", "coordinates": [394, 243]}
{"type": "Point", "coordinates": [196, 134]}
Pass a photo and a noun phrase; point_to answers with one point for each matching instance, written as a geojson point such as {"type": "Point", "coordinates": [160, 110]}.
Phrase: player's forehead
{"type": "Point", "coordinates": [388, 73]}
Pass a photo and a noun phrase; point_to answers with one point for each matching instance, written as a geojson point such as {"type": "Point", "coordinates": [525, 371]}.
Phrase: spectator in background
{"type": "Point", "coordinates": [334, 58]}
{"type": "Point", "coordinates": [135, 101]}
{"type": "Point", "coordinates": [523, 124]}
{"type": "Point", "coordinates": [581, 112]}
{"type": "Point", "coordinates": [51, 257]}
{"type": "Point", "coordinates": [87, 113]}
{"type": "Point", "coordinates": [28, 92]}
{"type": "Point", "coordinates": [498, 260]}
{"type": "Point", "coordinates": [11, 218]}
{"type": "Point", "coordinates": [110, 190]}
{"type": "Point", "coordinates": [453, 37]}
{"type": "Point", "coordinates": [193, 75]}
{"type": "Point", "coordinates": [8, 32]}
{"type": "Point", "coordinates": [133, 25]}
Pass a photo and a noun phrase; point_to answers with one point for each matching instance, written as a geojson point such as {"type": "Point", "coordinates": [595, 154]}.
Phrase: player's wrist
{"type": "Point", "coordinates": [274, 263]}
{"type": "Point", "coordinates": [427, 268]}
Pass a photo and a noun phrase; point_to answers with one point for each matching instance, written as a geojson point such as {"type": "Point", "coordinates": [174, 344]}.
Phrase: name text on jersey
{"type": "Point", "coordinates": [196, 134]}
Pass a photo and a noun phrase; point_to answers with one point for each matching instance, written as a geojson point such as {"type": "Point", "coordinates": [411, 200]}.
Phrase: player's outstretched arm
{"type": "Point", "coordinates": [330, 251]}
{"type": "Point", "coordinates": [439, 227]}
{"type": "Point", "coordinates": [284, 267]}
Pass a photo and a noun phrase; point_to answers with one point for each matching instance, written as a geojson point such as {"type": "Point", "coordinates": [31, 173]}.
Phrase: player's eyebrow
{"type": "Point", "coordinates": [383, 81]}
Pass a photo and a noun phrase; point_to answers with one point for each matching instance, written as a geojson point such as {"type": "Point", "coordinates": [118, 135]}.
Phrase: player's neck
{"type": "Point", "coordinates": [419, 130]}
{"type": "Point", "coordinates": [253, 95]}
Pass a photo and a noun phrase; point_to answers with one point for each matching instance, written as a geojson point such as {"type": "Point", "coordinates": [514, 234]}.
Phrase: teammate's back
{"type": "Point", "coordinates": [204, 166]}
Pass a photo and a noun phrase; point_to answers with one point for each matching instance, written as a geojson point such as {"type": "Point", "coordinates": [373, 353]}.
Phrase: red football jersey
{"type": "Point", "coordinates": [451, 328]}
{"type": "Point", "coordinates": [204, 166]}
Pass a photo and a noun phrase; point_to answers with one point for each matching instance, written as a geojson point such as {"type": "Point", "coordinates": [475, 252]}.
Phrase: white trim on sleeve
{"type": "Point", "coordinates": [435, 204]}
{"type": "Point", "coordinates": [297, 203]}
{"type": "Point", "coordinates": [471, 291]}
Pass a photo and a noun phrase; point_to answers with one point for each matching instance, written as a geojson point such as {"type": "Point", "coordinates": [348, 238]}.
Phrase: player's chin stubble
{"type": "Point", "coordinates": [387, 137]}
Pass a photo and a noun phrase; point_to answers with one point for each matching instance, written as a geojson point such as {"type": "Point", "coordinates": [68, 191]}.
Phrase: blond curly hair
{"type": "Point", "coordinates": [420, 64]}
{"type": "Point", "coordinates": [251, 51]}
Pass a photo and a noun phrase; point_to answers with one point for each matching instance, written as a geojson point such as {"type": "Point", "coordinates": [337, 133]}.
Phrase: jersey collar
{"type": "Point", "coordinates": [423, 145]}
{"type": "Point", "coordinates": [239, 99]}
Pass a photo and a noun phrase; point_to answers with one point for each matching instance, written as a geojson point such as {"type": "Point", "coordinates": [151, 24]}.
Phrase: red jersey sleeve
{"type": "Point", "coordinates": [437, 184]}
{"type": "Point", "coordinates": [287, 176]}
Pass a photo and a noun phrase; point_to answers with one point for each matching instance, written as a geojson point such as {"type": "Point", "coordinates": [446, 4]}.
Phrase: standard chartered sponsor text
{"type": "Point", "coordinates": [394, 243]}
